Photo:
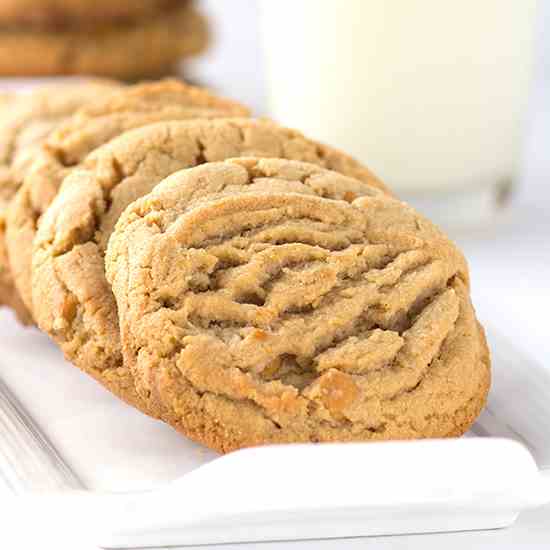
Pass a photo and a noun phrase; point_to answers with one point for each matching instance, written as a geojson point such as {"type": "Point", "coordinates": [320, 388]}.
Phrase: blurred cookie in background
{"type": "Point", "coordinates": [128, 40]}
{"type": "Point", "coordinates": [59, 13]}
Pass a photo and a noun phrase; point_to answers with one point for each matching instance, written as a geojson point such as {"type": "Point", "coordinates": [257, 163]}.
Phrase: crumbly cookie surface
{"type": "Point", "coordinates": [23, 128]}
{"type": "Point", "coordinates": [255, 308]}
{"type": "Point", "coordinates": [31, 117]}
{"type": "Point", "coordinates": [72, 299]}
{"type": "Point", "coordinates": [93, 125]}
{"type": "Point", "coordinates": [137, 49]}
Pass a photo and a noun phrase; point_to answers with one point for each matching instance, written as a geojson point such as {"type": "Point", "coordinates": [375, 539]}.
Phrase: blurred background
{"type": "Point", "coordinates": [449, 103]}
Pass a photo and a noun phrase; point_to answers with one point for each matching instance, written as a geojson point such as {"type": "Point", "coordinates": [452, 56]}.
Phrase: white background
{"type": "Point", "coordinates": [510, 263]}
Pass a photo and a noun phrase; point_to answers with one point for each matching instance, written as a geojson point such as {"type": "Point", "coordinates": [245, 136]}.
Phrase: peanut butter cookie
{"type": "Point", "coordinates": [255, 308]}
{"type": "Point", "coordinates": [93, 125]}
{"type": "Point", "coordinates": [134, 49]}
{"type": "Point", "coordinates": [72, 299]}
{"type": "Point", "coordinates": [23, 128]}
{"type": "Point", "coordinates": [7, 296]}
{"type": "Point", "coordinates": [82, 13]}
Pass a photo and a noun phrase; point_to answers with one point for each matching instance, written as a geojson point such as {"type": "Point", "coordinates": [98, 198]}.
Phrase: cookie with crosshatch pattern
{"type": "Point", "coordinates": [91, 126]}
{"type": "Point", "coordinates": [266, 301]}
{"type": "Point", "coordinates": [72, 300]}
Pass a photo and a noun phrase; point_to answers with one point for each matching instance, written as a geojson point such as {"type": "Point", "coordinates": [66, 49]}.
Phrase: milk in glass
{"type": "Point", "coordinates": [429, 93]}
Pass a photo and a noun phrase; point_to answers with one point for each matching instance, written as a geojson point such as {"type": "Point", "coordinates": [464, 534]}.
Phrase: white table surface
{"type": "Point", "coordinates": [510, 267]}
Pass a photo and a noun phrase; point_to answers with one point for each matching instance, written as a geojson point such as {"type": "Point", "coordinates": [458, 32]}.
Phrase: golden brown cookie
{"type": "Point", "coordinates": [268, 312]}
{"type": "Point", "coordinates": [72, 300]}
{"type": "Point", "coordinates": [7, 295]}
{"type": "Point", "coordinates": [61, 13]}
{"type": "Point", "coordinates": [135, 49]}
{"type": "Point", "coordinates": [23, 128]}
{"type": "Point", "coordinates": [93, 125]}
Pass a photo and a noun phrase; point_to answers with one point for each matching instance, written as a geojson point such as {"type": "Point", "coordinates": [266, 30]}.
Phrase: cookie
{"type": "Point", "coordinates": [23, 127]}
{"type": "Point", "coordinates": [7, 296]}
{"type": "Point", "coordinates": [82, 13]}
{"type": "Point", "coordinates": [147, 47]}
{"type": "Point", "coordinates": [72, 300]}
{"type": "Point", "coordinates": [269, 312]}
{"type": "Point", "coordinates": [31, 117]}
{"type": "Point", "coordinates": [93, 125]}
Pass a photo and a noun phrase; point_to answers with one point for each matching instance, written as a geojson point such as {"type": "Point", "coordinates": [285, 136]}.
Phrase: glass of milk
{"type": "Point", "coordinates": [430, 94]}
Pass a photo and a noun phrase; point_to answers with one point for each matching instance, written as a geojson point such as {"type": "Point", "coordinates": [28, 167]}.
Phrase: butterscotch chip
{"type": "Point", "coordinates": [69, 248]}
{"type": "Point", "coordinates": [367, 330]}
{"type": "Point", "coordinates": [144, 47]}
{"type": "Point", "coordinates": [24, 125]}
{"type": "Point", "coordinates": [93, 125]}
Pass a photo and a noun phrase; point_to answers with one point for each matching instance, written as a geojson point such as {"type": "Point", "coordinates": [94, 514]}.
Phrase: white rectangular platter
{"type": "Point", "coordinates": [125, 480]}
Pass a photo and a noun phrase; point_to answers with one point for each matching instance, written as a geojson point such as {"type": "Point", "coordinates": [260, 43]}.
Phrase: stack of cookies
{"type": "Point", "coordinates": [232, 277]}
{"type": "Point", "coordinates": [127, 39]}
